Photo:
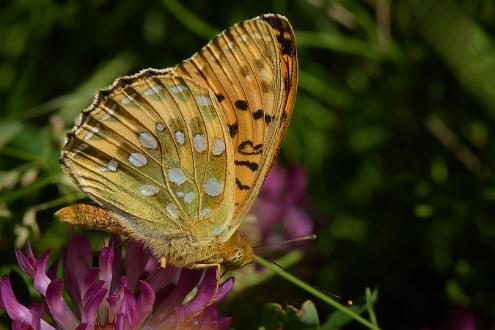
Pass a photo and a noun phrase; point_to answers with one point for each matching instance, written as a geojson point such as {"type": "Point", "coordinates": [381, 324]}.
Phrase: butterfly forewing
{"type": "Point", "coordinates": [252, 69]}
{"type": "Point", "coordinates": [155, 149]}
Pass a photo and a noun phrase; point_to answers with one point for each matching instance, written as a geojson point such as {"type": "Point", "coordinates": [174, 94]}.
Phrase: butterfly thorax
{"type": "Point", "coordinates": [234, 253]}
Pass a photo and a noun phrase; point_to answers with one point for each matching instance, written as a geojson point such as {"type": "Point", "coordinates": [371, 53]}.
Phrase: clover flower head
{"type": "Point", "coordinates": [123, 292]}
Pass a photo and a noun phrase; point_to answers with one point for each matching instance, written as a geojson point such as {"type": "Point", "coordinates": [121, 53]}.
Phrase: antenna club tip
{"type": "Point", "coordinates": [349, 302]}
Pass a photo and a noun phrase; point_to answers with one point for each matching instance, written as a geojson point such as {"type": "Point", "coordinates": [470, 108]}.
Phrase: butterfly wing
{"type": "Point", "coordinates": [252, 69]}
{"type": "Point", "coordinates": [155, 150]}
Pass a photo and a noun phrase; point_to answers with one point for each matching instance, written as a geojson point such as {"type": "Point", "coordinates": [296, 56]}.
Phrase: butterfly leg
{"type": "Point", "coordinates": [91, 217]}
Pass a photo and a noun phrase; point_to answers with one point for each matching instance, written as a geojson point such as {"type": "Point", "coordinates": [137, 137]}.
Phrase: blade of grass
{"type": "Point", "coordinates": [190, 20]}
{"type": "Point", "coordinates": [337, 42]}
{"type": "Point", "coordinates": [315, 292]}
{"type": "Point", "coordinates": [21, 192]}
{"type": "Point", "coordinates": [369, 305]}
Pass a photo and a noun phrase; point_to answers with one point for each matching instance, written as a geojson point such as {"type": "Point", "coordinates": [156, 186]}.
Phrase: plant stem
{"type": "Point", "coordinates": [369, 305]}
{"type": "Point", "coordinates": [315, 292]}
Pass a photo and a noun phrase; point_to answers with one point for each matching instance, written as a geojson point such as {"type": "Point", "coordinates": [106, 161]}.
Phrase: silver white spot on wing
{"type": "Point", "coordinates": [111, 166]}
{"type": "Point", "coordinates": [189, 197]}
{"type": "Point", "coordinates": [218, 147]}
{"type": "Point", "coordinates": [152, 89]}
{"type": "Point", "coordinates": [213, 187]}
{"type": "Point", "coordinates": [149, 189]}
{"type": "Point", "coordinates": [137, 159]}
{"type": "Point", "coordinates": [199, 143]}
{"type": "Point", "coordinates": [205, 212]}
{"type": "Point", "coordinates": [203, 100]}
{"type": "Point", "coordinates": [129, 98]}
{"type": "Point", "coordinates": [180, 194]}
{"type": "Point", "coordinates": [159, 127]}
{"type": "Point", "coordinates": [176, 175]}
{"type": "Point", "coordinates": [147, 140]}
{"type": "Point", "coordinates": [92, 132]}
{"type": "Point", "coordinates": [108, 112]}
{"type": "Point", "coordinates": [179, 137]}
{"type": "Point", "coordinates": [172, 210]}
{"type": "Point", "coordinates": [178, 88]}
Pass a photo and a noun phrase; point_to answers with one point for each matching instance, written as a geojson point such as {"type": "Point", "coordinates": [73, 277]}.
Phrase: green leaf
{"type": "Point", "coordinates": [275, 317]}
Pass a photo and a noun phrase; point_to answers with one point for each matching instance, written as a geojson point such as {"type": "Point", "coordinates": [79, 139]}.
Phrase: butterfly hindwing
{"type": "Point", "coordinates": [252, 69]}
{"type": "Point", "coordinates": [155, 149]}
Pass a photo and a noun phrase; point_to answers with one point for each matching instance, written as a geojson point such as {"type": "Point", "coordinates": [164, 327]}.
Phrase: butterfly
{"type": "Point", "coordinates": [175, 157]}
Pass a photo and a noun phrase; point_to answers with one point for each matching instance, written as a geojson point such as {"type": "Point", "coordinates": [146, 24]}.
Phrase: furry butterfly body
{"type": "Point", "coordinates": [175, 157]}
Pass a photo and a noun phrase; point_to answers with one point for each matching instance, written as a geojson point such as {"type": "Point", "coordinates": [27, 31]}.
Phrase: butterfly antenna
{"type": "Point", "coordinates": [298, 239]}
{"type": "Point", "coordinates": [345, 301]}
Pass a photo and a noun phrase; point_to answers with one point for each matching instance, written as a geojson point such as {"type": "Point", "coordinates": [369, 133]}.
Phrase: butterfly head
{"type": "Point", "coordinates": [237, 252]}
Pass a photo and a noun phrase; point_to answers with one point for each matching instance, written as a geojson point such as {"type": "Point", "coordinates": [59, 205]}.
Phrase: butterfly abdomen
{"type": "Point", "coordinates": [90, 217]}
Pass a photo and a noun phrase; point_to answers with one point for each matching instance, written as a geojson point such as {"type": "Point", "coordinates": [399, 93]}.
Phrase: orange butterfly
{"type": "Point", "coordinates": [175, 157]}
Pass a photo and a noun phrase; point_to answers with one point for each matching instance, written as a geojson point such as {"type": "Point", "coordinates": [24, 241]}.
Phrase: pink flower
{"type": "Point", "coordinates": [145, 296]}
{"type": "Point", "coordinates": [279, 211]}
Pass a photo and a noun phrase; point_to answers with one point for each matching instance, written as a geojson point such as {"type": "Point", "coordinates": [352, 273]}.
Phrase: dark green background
{"type": "Point", "coordinates": [394, 123]}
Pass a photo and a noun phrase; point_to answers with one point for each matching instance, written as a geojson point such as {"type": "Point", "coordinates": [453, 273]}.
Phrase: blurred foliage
{"type": "Point", "coordinates": [394, 121]}
{"type": "Point", "coordinates": [275, 317]}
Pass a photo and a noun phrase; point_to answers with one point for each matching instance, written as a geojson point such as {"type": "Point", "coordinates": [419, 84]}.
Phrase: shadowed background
{"type": "Point", "coordinates": [394, 125]}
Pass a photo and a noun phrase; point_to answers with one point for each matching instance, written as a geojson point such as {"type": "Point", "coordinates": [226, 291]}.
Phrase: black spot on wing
{"type": "Point", "coordinates": [268, 119]}
{"type": "Point", "coordinates": [240, 185]}
{"type": "Point", "coordinates": [241, 104]}
{"type": "Point", "coordinates": [220, 97]}
{"type": "Point", "coordinates": [251, 165]}
{"type": "Point", "coordinates": [284, 34]}
{"type": "Point", "coordinates": [258, 114]}
{"type": "Point", "coordinates": [247, 148]}
{"type": "Point", "coordinates": [233, 129]}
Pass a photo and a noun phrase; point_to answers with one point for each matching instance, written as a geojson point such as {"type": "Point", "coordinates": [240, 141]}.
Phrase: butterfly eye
{"type": "Point", "coordinates": [238, 257]}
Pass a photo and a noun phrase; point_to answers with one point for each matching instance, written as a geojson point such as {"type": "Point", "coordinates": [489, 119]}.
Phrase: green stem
{"type": "Point", "coordinates": [249, 276]}
{"type": "Point", "coordinates": [369, 305]}
{"type": "Point", "coordinates": [314, 292]}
